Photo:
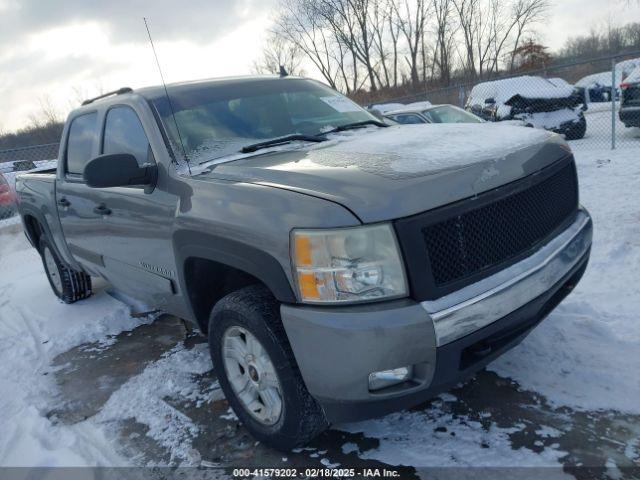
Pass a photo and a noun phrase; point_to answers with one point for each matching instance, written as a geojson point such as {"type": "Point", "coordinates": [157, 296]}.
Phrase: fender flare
{"type": "Point", "coordinates": [261, 265]}
{"type": "Point", "coordinates": [59, 244]}
{"type": "Point", "coordinates": [25, 211]}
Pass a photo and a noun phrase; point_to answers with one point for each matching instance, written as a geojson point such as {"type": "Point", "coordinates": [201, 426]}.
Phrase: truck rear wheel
{"type": "Point", "coordinates": [67, 284]}
{"type": "Point", "coordinates": [258, 372]}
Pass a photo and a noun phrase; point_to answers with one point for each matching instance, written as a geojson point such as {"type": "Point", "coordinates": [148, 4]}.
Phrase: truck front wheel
{"type": "Point", "coordinates": [258, 372]}
{"type": "Point", "coordinates": [67, 284]}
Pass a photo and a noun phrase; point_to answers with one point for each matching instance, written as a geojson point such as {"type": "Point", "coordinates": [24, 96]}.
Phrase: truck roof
{"type": "Point", "coordinates": [157, 91]}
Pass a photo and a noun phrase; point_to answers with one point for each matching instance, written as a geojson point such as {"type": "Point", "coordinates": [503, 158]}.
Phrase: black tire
{"type": "Point", "coordinates": [577, 130]}
{"type": "Point", "coordinates": [71, 285]}
{"type": "Point", "coordinates": [256, 310]}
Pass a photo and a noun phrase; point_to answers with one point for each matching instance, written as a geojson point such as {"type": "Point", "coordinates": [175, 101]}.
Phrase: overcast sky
{"type": "Point", "coordinates": [52, 48]}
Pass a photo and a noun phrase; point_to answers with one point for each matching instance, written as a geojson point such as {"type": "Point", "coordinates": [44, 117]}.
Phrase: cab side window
{"type": "Point", "coordinates": [123, 133]}
{"type": "Point", "coordinates": [83, 132]}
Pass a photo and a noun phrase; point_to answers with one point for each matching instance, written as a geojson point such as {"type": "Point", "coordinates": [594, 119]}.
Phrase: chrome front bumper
{"type": "Point", "coordinates": [480, 304]}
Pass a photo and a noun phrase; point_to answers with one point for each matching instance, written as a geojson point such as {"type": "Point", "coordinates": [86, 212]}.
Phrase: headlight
{"type": "Point", "coordinates": [347, 264]}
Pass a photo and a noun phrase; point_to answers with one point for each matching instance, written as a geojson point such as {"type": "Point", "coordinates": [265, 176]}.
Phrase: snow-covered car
{"type": "Point", "coordinates": [630, 102]}
{"type": "Point", "coordinates": [432, 114]}
{"type": "Point", "coordinates": [532, 102]}
{"type": "Point", "coordinates": [385, 108]}
{"type": "Point", "coordinates": [596, 88]}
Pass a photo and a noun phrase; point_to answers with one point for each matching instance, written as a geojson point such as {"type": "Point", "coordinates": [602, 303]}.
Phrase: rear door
{"type": "Point", "coordinates": [76, 203]}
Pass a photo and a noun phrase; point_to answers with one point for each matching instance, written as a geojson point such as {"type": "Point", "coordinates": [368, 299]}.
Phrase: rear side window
{"type": "Point", "coordinates": [123, 133]}
{"type": "Point", "coordinates": [83, 132]}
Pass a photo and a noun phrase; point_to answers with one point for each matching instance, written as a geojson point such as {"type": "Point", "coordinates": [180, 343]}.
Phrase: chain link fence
{"type": "Point", "coordinates": [583, 100]}
{"type": "Point", "coordinates": [17, 160]}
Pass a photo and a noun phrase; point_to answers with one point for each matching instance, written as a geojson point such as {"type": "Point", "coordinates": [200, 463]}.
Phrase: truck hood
{"type": "Point", "coordinates": [389, 173]}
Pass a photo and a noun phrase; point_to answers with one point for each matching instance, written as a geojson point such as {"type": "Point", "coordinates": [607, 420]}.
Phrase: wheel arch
{"type": "Point", "coordinates": [33, 229]}
{"type": "Point", "coordinates": [210, 267]}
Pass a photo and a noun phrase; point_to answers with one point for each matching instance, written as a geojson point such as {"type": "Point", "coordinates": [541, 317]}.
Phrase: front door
{"type": "Point", "coordinates": [137, 253]}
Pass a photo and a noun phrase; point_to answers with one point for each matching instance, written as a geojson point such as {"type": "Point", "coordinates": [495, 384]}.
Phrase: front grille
{"type": "Point", "coordinates": [479, 239]}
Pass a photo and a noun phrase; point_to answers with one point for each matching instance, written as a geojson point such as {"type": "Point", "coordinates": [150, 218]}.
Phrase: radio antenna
{"type": "Point", "coordinates": [166, 92]}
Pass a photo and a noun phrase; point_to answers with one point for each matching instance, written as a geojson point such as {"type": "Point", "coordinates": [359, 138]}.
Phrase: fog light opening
{"type": "Point", "coordinates": [388, 378]}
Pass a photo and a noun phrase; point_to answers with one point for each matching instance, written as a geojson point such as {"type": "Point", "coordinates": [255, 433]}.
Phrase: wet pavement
{"type": "Point", "coordinates": [89, 374]}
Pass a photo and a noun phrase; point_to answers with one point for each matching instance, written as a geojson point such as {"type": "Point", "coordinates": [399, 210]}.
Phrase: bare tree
{"type": "Point", "coordinates": [525, 13]}
{"type": "Point", "coordinates": [467, 12]}
{"type": "Point", "coordinates": [46, 115]}
{"type": "Point", "coordinates": [279, 51]}
{"type": "Point", "coordinates": [411, 22]}
{"type": "Point", "coordinates": [299, 23]}
{"type": "Point", "coordinates": [444, 38]}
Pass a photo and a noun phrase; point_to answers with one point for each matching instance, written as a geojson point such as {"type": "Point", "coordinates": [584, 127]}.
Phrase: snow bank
{"type": "Point", "coordinates": [585, 355]}
{"type": "Point", "coordinates": [144, 399]}
{"type": "Point", "coordinates": [34, 327]}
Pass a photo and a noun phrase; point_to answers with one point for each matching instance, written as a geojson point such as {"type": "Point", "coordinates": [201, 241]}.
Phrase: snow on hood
{"type": "Point", "coordinates": [413, 150]}
{"type": "Point", "coordinates": [526, 86]}
{"type": "Point", "coordinates": [386, 173]}
{"type": "Point", "coordinates": [406, 151]}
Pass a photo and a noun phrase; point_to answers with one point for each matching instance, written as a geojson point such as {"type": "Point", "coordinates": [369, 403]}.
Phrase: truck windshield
{"type": "Point", "coordinates": [216, 119]}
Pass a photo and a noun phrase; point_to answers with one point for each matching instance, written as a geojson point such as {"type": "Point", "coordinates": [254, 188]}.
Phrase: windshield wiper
{"type": "Point", "coordinates": [281, 141]}
{"type": "Point", "coordinates": [352, 126]}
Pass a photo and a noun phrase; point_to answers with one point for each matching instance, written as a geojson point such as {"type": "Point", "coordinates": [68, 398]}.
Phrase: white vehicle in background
{"type": "Point", "coordinates": [532, 102]}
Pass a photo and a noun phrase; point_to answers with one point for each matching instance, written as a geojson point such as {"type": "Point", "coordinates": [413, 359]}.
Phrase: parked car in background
{"type": "Point", "coordinates": [630, 101]}
{"type": "Point", "coordinates": [533, 102]}
{"type": "Point", "coordinates": [383, 108]}
{"type": "Point", "coordinates": [432, 114]}
{"type": "Point", "coordinates": [596, 88]}
{"type": "Point", "coordinates": [7, 199]}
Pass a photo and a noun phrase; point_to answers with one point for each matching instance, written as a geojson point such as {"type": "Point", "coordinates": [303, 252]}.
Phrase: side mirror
{"type": "Point", "coordinates": [118, 170]}
{"type": "Point", "coordinates": [490, 101]}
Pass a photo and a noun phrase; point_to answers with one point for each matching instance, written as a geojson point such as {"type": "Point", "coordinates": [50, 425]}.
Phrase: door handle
{"type": "Point", "coordinates": [102, 210]}
{"type": "Point", "coordinates": [63, 202]}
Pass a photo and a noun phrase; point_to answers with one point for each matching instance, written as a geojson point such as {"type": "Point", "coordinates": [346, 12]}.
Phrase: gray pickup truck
{"type": "Point", "coordinates": [341, 268]}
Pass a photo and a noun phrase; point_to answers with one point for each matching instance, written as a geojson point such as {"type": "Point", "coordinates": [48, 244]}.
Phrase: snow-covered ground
{"type": "Point", "coordinates": [583, 358]}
